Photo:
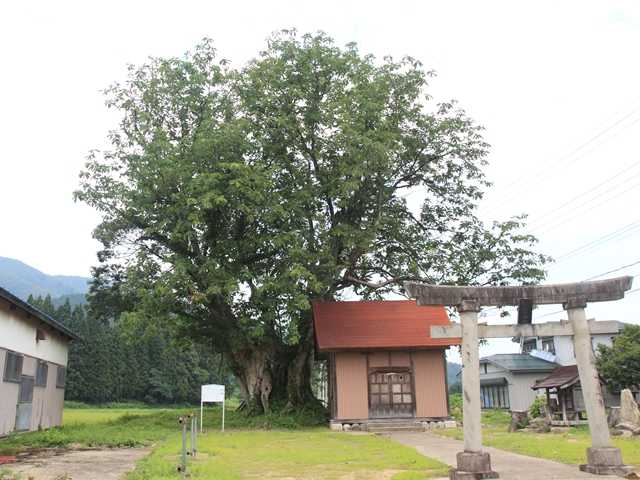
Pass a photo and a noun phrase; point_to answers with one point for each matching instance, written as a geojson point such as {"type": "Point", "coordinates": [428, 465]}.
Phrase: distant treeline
{"type": "Point", "coordinates": [115, 362]}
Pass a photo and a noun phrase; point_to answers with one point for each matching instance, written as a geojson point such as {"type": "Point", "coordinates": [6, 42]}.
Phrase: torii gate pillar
{"type": "Point", "coordinates": [473, 462]}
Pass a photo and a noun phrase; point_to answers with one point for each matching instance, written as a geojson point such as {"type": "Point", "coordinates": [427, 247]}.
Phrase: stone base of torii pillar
{"type": "Point", "coordinates": [472, 466]}
{"type": "Point", "coordinates": [606, 461]}
{"type": "Point", "coordinates": [473, 463]}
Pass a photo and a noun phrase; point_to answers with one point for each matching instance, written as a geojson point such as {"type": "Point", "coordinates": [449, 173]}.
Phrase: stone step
{"type": "Point", "coordinates": [394, 424]}
{"type": "Point", "coordinates": [384, 425]}
{"type": "Point", "coordinates": [394, 428]}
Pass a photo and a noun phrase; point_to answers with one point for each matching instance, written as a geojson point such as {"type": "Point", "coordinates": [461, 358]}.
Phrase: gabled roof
{"type": "Point", "coordinates": [39, 314]}
{"type": "Point", "coordinates": [561, 377]}
{"type": "Point", "coordinates": [378, 324]}
{"type": "Point", "coordinates": [519, 362]}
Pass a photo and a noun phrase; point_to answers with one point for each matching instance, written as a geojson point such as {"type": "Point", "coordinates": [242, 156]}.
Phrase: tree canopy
{"type": "Point", "coordinates": [619, 364]}
{"type": "Point", "coordinates": [233, 197]}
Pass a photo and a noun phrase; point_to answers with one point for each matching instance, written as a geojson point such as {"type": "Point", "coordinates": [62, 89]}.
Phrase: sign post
{"type": "Point", "coordinates": [211, 394]}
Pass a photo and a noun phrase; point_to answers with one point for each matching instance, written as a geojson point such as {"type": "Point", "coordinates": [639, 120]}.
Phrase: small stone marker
{"type": "Point", "coordinates": [629, 411]}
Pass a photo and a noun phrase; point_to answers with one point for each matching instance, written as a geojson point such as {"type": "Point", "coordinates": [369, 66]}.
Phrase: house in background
{"type": "Point", "coordinates": [559, 348]}
{"type": "Point", "coordinates": [506, 379]}
{"type": "Point", "coordinates": [564, 395]}
{"type": "Point", "coordinates": [513, 380]}
{"type": "Point", "coordinates": [33, 359]}
{"type": "Point", "coordinates": [382, 362]}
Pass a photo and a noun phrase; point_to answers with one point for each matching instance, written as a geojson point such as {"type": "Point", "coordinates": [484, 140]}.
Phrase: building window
{"type": "Point", "coordinates": [494, 396]}
{"type": "Point", "coordinates": [41, 374]}
{"type": "Point", "coordinates": [529, 345]}
{"type": "Point", "coordinates": [61, 377]}
{"type": "Point", "coordinates": [26, 390]}
{"type": "Point", "coordinates": [548, 345]}
{"type": "Point", "coordinates": [13, 367]}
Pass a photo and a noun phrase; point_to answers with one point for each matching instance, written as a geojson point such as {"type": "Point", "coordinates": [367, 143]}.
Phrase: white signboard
{"type": "Point", "coordinates": [211, 394]}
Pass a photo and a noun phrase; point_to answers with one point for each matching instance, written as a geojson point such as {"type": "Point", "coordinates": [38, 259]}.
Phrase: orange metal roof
{"type": "Point", "coordinates": [378, 324]}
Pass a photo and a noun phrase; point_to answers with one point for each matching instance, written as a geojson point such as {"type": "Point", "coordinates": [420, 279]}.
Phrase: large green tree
{"type": "Point", "coordinates": [619, 364]}
{"type": "Point", "coordinates": [232, 198]}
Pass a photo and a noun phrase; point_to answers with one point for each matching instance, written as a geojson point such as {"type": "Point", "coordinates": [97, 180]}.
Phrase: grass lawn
{"type": "Point", "coordinates": [270, 446]}
{"type": "Point", "coordinates": [567, 447]}
{"type": "Point", "coordinates": [306, 454]}
{"type": "Point", "coordinates": [132, 427]}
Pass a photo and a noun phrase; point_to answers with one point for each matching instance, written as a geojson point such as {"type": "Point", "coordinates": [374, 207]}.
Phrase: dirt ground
{"type": "Point", "coordinates": [107, 464]}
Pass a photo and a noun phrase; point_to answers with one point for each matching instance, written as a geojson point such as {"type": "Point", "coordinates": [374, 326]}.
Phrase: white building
{"type": "Point", "coordinates": [559, 348]}
{"type": "Point", "coordinates": [33, 359]}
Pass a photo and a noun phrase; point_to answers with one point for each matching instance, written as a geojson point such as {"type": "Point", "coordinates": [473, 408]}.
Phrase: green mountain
{"type": "Point", "coordinates": [23, 280]}
{"type": "Point", "coordinates": [453, 369]}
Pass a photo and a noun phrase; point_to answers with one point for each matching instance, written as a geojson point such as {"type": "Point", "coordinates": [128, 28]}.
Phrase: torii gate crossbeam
{"type": "Point", "coordinates": [473, 462]}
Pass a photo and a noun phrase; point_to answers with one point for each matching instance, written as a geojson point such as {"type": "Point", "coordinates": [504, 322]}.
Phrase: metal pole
{"type": "Point", "coordinates": [184, 445]}
{"type": "Point", "coordinates": [195, 436]}
{"type": "Point", "coordinates": [201, 416]}
{"type": "Point", "coordinates": [223, 415]}
{"type": "Point", "coordinates": [183, 456]}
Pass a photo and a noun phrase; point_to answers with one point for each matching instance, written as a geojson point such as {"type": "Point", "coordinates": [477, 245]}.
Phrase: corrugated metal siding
{"type": "Point", "coordinates": [521, 396]}
{"type": "Point", "coordinates": [351, 381]}
{"type": "Point", "coordinates": [8, 399]}
{"type": "Point", "coordinates": [429, 375]}
{"type": "Point", "coordinates": [48, 403]}
{"type": "Point", "coordinates": [378, 324]}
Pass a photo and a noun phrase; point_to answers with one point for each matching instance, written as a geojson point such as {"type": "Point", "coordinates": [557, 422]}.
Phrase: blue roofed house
{"type": "Point", "coordinates": [506, 379]}
{"type": "Point", "coordinates": [513, 380]}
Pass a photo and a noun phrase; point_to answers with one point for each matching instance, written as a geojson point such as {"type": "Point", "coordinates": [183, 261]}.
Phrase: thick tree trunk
{"type": "Point", "coordinates": [251, 367]}
{"type": "Point", "coordinates": [299, 393]}
{"type": "Point", "coordinates": [276, 374]}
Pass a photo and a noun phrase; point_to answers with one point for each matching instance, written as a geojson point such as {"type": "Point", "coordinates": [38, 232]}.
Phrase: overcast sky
{"type": "Point", "coordinates": [556, 85]}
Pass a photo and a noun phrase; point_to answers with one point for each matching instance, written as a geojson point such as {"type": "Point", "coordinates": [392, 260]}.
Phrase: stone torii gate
{"type": "Point", "coordinates": [473, 462]}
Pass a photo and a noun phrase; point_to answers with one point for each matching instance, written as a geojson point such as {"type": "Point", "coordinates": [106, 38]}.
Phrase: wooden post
{"type": "Point", "coordinates": [549, 412]}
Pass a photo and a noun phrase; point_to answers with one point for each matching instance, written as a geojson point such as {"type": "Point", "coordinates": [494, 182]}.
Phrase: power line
{"type": "Point", "coordinates": [568, 156]}
{"type": "Point", "coordinates": [613, 271]}
{"type": "Point", "coordinates": [563, 220]}
{"type": "Point", "coordinates": [617, 234]}
{"type": "Point", "coordinates": [586, 192]}
{"type": "Point", "coordinates": [560, 311]}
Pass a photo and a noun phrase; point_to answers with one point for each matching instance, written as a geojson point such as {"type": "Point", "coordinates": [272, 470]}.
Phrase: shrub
{"type": "Point", "coordinates": [536, 408]}
{"type": "Point", "coordinates": [455, 406]}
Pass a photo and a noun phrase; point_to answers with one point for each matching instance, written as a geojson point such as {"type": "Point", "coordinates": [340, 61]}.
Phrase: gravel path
{"type": "Point", "coordinates": [510, 466]}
